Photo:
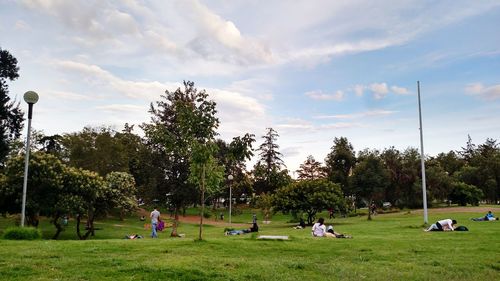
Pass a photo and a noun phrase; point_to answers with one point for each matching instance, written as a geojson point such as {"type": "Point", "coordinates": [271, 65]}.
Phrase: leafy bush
{"type": "Point", "coordinates": [464, 194]}
{"type": "Point", "coordinates": [22, 233]}
{"type": "Point", "coordinates": [207, 214]}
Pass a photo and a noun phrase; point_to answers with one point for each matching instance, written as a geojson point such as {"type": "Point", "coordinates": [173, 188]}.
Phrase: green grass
{"type": "Point", "coordinates": [390, 247]}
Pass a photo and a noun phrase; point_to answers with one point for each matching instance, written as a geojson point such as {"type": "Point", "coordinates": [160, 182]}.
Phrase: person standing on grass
{"type": "Point", "coordinates": [155, 217]}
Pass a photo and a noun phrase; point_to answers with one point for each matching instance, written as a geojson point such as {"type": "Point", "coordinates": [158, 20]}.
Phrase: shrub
{"type": "Point", "coordinates": [207, 214]}
{"type": "Point", "coordinates": [22, 233]}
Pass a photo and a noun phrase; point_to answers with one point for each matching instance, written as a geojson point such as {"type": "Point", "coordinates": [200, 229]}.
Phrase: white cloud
{"type": "Point", "coordinates": [319, 95]}
{"type": "Point", "coordinates": [380, 90]}
{"type": "Point", "coordinates": [399, 90]}
{"type": "Point", "coordinates": [371, 113]}
{"type": "Point", "coordinates": [220, 39]}
{"type": "Point", "coordinates": [22, 25]}
{"type": "Point", "coordinates": [96, 76]}
{"type": "Point", "coordinates": [488, 93]}
{"type": "Point", "coordinates": [358, 90]}
{"type": "Point", "coordinates": [67, 95]}
{"type": "Point", "coordinates": [238, 113]}
{"type": "Point", "coordinates": [122, 108]}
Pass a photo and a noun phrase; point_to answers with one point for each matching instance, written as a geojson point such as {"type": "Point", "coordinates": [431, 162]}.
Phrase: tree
{"type": "Point", "coordinates": [206, 173]}
{"type": "Point", "coordinates": [411, 188]}
{"type": "Point", "coordinates": [311, 169]}
{"type": "Point", "coordinates": [96, 149]}
{"type": "Point", "coordinates": [11, 116]}
{"type": "Point", "coordinates": [439, 183]}
{"type": "Point", "coordinates": [178, 120]}
{"type": "Point", "coordinates": [464, 194]}
{"type": "Point", "coordinates": [86, 193]}
{"type": "Point", "coordinates": [122, 188]}
{"type": "Point", "coordinates": [370, 178]}
{"type": "Point", "coordinates": [310, 197]}
{"type": "Point", "coordinates": [233, 157]}
{"type": "Point", "coordinates": [488, 162]}
{"type": "Point", "coordinates": [392, 160]}
{"type": "Point", "coordinates": [340, 162]}
{"type": "Point", "coordinates": [45, 183]}
{"type": "Point", "coordinates": [450, 162]}
{"type": "Point", "coordinates": [268, 171]}
{"type": "Point", "coordinates": [265, 204]}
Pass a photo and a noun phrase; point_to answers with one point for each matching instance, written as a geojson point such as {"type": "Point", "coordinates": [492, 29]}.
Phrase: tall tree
{"type": "Point", "coordinates": [233, 157]}
{"type": "Point", "coordinates": [11, 116]}
{"type": "Point", "coordinates": [393, 163]}
{"type": "Point", "coordinates": [370, 178]}
{"type": "Point", "coordinates": [178, 120]}
{"type": "Point", "coordinates": [410, 179]}
{"type": "Point", "coordinates": [311, 169]}
{"type": "Point", "coordinates": [206, 173]}
{"type": "Point", "coordinates": [268, 172]}
{"type": "Point", "coordinates": [141, 162]}
{"type": "Point", "coordinates": [340, 162]}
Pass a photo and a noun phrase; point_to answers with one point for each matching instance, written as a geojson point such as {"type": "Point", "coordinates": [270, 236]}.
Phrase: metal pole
{"type": "Point", "coordinates": [422, 160]}
{"type": "Point", "coordinates": [230, 201]}
{"type": "Point", "coordinates": [26, 162]}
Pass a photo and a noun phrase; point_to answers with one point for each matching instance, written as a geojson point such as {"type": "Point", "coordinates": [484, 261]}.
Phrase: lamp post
{"type": "Point", "coordinates": [30, 97]}
{"type": "Point", "coordinates": [230, 178]}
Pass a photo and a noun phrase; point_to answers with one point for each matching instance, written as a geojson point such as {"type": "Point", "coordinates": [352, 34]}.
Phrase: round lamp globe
{"type": "Point", "coordinates": [30, 97]}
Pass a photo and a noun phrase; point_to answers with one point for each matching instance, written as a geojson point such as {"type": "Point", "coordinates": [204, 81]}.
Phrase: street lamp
{"type": "Point", "coordinates": [230, 178]}
{"type": "Point", "coordinates": [30, 97]}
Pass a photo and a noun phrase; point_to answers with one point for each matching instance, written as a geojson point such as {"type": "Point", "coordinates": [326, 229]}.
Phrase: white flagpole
{"type": "Point", "coordinates": [422, 160]}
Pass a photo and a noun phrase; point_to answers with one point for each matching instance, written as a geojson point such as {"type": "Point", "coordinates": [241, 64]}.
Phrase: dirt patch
{"type": "Point", "coordinates": [194, 219]}
{"type": "Point", "coordinates": [460, 210]}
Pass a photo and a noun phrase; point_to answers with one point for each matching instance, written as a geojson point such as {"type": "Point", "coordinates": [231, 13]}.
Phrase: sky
{"type": "Point", "coordinates": [311, 70]}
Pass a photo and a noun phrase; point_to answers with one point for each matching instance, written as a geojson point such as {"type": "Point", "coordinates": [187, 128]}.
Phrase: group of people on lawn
{"type": "Point", "coordinates": [319, 229]}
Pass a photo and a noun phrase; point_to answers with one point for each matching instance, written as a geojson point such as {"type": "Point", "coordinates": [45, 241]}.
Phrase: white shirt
{"type": "Point", "coordinates": [446, 223]}
{"type": "Point", "coordinates": [318, 230]}
{"type": "Point", "coordinates": [154, 216]}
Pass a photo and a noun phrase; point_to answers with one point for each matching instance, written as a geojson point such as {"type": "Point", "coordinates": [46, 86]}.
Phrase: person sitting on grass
{"type": "Point", "coordinates": [443, 225]}
{"type": "Point", "coordinates": [319, 228]}
{"type": "Point", "coordinates": [331, 233]}
{"type": "Point", "coordinates": [488, 217]}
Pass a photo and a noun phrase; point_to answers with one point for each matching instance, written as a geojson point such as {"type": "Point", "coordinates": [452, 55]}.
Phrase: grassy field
{"type": "Point", "coordinates": [390, 247]}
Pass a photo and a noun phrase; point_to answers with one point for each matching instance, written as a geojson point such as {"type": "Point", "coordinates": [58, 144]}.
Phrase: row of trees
{"type": "Point", "coordinates": [57, 190]}
{"type": "Point", "coordinates": [180, 161]}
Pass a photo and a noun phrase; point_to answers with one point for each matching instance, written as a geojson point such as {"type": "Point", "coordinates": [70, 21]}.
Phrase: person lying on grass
{"type": "Point", "coordinates": [254, 228]}
{"type": "Point", "coordinates": [488, 217]}
{"type": "Point", "coordinates": [443, 225]}
{"type": "Point", "coordinates": [331, 233]}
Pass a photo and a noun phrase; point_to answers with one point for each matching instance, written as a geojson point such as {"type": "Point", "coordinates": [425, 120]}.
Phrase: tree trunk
{"type": "Point", "coordinates": [370, 209]}
{"type": "Point", "coordinates": [200, 236]}
{"type": "Point", "coordinates": [32, 219]}
{"type": "Point", "coordinates": [310, 218]}
{"type": "Point", "coordinates": [58, 226]}
{"type": "Point", "coordinates": [78, 220]}
{"type": "Point", "coordinates": [174, 225]}
{"type": "Point", "coordinates": [122, 214]}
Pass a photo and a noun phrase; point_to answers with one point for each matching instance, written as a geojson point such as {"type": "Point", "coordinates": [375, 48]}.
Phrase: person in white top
{"type": "Point", "coordinates": [443, 225]}
{"type": "Point", "coordinates": [319, 228]}
{"type": "Point", "coordinates": [155, 216]}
